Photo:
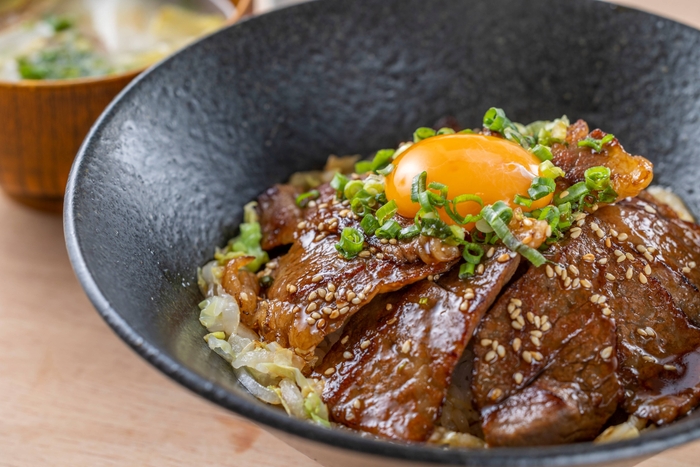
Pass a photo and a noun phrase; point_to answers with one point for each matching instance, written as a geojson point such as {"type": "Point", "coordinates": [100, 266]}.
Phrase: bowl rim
{"type": "Point", "coordinates": [574, 454]}
{"type": "Point", "coordinates": [240, 9]}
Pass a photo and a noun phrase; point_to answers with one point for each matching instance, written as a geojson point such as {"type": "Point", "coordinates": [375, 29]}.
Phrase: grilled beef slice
{"type": "Point", "coordinates": [624, 262]}
{"type": "Point", "coordinates": [315, 289]}
{"type": "Point", "coordinates": [390, 372]}
{"type": "Point", "coordinates": [279, 215]}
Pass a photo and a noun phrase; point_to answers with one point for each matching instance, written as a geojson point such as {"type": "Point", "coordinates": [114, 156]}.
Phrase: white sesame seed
{"type": "Point", "coordinates": [629, 256]}
{"type": "Point", "coordinates": [392, 321]}
{"type": "Point", "coordinates": [310, 321]}
{"type": "Point", "coordinates": [516, 301]}
{"type": "Point", "coordinates": [527, 356]}
{"type": "Point", "coordinates": [619, 253]}
{"type": "Point", "coordinates": [347, 355]}
{"type": "Point", "coordinates": [393, 241]}
{"type": "Point", "coordinates": [670, 367]}
{"type": "Point", "coordinates": [469, 295]}
{"type": "Point", "coordinates": [495, 394]}
{"type": "Point", "coordinates": [648, 256]}
{"type": "Point", "coordinates": [649, 209]}
{"type": "Point", "coordinates": [622, 237]}
{"type": "Point", "coordinates": [650, 331]}
{"type": "Point", "coordinates": [574, 270]}
{"type": "Point", "coordinates": [692, 264]}
{"type": "Point", "coordinates": [317, 278]}
{"type": "Point", "coordinates": [350, 295]}
{"type": "Point", "coordinates": [600, 233]}
{"type": "Point", "coordinates": [606, 353]}
{"type": "Point", "coordinates": [594, 298]}
{"type": "Point", "coordinates": [586, 283]}
{"type": "Point", "coordinates": [517, 343]}
{"type": "Point", "coordinates": [322, 293]}
{"type": "Point", "coordinates": [607, 311]}
{"type": "Point", "coordinates": [642, 278]}
{"type": "Point", "coordinates": [319, 237]}
{"type": "Point", "coordinates": [620, 259]}
{"type": "Point", "coordinates": [546, 326]}
{"type": "Point", "coordinates": [576, 232]}
{"type": "Point", "coordinates": [580, 216]}
{"type": "Point", "coordinates": [311, 307]}
{"type": "Point", "coordinates": [581, 223]}
{"type": "Point", "coordinates": [594, 208]}
{"type": "Point", "coordinates": [480, 269]}
{"type": "Point", "coordinates": [301, 225]}
{"type": "Point", "coordinates": [589, 257]}
{"type": "Point", "coordinates": [516, 325]}
{"type": "Point", "coordinates": [383, 241]}
{"type": "Point", "coordinates": [511, 307]}
{"type": "Point", "coordinates": [567, 282]}
{"type": "Point", "coordinates": [518, 378]}
{"type": "Point", "coordinates": [494, 344]}
{"type": "Point", "coordinates": [686, 270]}
{"type": "Point", "coordinates": [537, 356]}
{"type": "Point", "coordinates": [641, 332]}
{"type": "Point", "coordinates": [548, 231]}
{"type": "Point", "coordinates": [490, 253]}
{"type": "Point", "coordinates": [564, 194]}
{"type": "Point", "coordinates": [330, 296]}
{"type": "Point", "coordinates": [536, 333]}
{"type": "Point", "coordinates": [364, 254]}
{"type": "Point", "coordinates": [355, 301]}
{"type": "Point", "coordinates": [344, 340]}
{"type": "Point", "coordinates": [558, 270]}
{"type": "Point", "coordinates": [296, 309]}
{"type": "Point", "coordinates": [334, 314]}
{"type": "Point", "coordinates": [527, 222]}
{"type": "Point", "coordinates": [501, 351]}
{"type": "Point", "coordinates": [520, 320]}
{"type": "Point", "coordinates": [490, 356]}
{"type": "Point", "coordinates": [516, 313]}
{"type": "Point", "coordinates": [647, 270]}
{"type": "Point", "coordinates": [406, 347]}
{"type": "Point", "coordinates": [613, 232]}
{"type": "Point", "coordinates": [538, 322]}
{"type": "Point", "coordinates": [327, 310]}
{"type": "Point", "coordinates": [380, 255]}
{"type": "Point", "coordinates": [389, 306]}
{"type": "Point", "coordinates": [641, 248]}
{"type": "Point", "coordinates": [594, 226]}
{"type": "Point", "coordinates": [649, 359]}
{"type": "Point", "coordinates": [550, 272]}
{"type": "Point", "coordinates": [602, 299]}
{"type": "Point", "coordinates": [364, 344]}
{"type": "Point", "coordinates": [329, 371]}
{"type": "Point", "coordinates": [464, 306]}
{"type": "Point", "coordinates": [564, 274]}
{"type": "Point", "coordinates": [316, 315]}
{"type": "Point", "coordinates": [486, 342]}
{"type": "Point", "coordinates": [530, 317]}
{"type": "Point", "coordinates": [603, 261]}
{"type": "Point", "coordinates": [608, 243]}
{"type": "Point", "coordinates": [609, 277]}
{"type": "Point", "coordinates": [536, 341]}
{"type": "Point", "coordinates": [357, 404]}
{"type": "Point", "coordinates": [503, 258]}
{"type": "Point", "coordinates": [291, 288]}
{"type": "Point", "coordinates": [331, 287]}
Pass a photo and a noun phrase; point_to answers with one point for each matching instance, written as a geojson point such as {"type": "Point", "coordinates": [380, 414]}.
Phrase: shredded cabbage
{"type": "Point", "coordinates": [270, 372]}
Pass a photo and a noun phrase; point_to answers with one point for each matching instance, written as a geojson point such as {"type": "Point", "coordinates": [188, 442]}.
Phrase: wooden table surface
{"type": "Point", "coordinates": [72, 394]}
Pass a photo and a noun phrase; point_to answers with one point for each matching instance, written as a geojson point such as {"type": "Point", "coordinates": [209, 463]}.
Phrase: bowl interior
{"type": "Point", "coordinates": [163, 176]}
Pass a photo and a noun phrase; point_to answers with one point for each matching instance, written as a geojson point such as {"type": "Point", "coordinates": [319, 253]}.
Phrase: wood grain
{"type": "Point", "coordinates": [72, 394]}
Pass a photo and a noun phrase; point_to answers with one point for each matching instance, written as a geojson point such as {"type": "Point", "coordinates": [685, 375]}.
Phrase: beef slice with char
{"type": "Point", "coordinates": [571, 400]}
{"type": "Point", "coordinates": [390, 372]}
{"type": "Point", "coordinates": [600, 263]}
{"type": "Point", "coordinates": [315, 290]}
{"type": "Point", "coordinates": [630, 174]}
{"type": "Point", "coordinates": [279, 215]}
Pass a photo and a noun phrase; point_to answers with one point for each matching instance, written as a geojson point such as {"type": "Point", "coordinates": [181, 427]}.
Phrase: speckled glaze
{"type": "Point", "coordinates": [164, 174]}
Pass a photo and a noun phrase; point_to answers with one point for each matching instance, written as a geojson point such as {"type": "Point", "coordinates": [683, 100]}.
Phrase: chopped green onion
{"type": "Point", "coordinates": [409, 232]}
{"type": "Point", "coordinates": [512, 134]}
{"type": "Point", "coordinates": [466, 270]}
{"type": "Point", "coordinates": [369, 224]}
{"type": "Point", "coordinates": [595, 144]}
{"type": "Point", "coordinates": [454, 214]}
{"type": "Point", "coordinates": [352, 188]}
{"type": "Point", "coordinates": [363, 167]}
{"type": "Point", "coordinates": [550, 214]}
{"type": "Point", "coordinates": [418, 185]}
{"type": "Point", "coordinates": [382, 159]}
{"type": "Point", "coordinates": [522, 201]}
{"type": "Point", "coordinates": [338, 183]}
{"type": "Point", "coordinates": [495, 217]}
{"type": "Point", "coordinates": [373, 186]}
{"type": "Point", "coordinates": [608, 195]}
{"type": "Point", "coordinates": [446, 131]}
{"type": "Point", "coordinates": [358, 207]}
{"type": "Point", "coordinates": [423, 133]}
{"type": "Point", "coordinates": [434, 227]}
{"type": "Point", "coordinates": [442, 188]}
{"type": "Point", "coordinates": [543, 153]}
{"type": "Point", "coordinates": [386, 212]}
{"type": "Point", "coordinates": [248, 241]}
{"type": "Point", "coordinates": [386, 170]}
{"type": "Point", "coordinates": [574, 193]}
{"type": "Point", "coordinates": [472, 253]}
{"type": "Point", "coordinates": [390, 229]}
{"type": "Point", "coordinates": [350, 244]}
{"type": "Point", "coordinates": [304, 198]}
{"type": "Point", "coordinates": [266, 281]}
{"type": "Point", "coordinates": [597, 178]}
{"type": "Point", "coordinates": [495, 120]}
{"type": "Point", "coordinates": [502, 210]}
{"type": "Point", "coordinates": [548, 170]}
{"type": "Point", "coordinates": [541, 187]}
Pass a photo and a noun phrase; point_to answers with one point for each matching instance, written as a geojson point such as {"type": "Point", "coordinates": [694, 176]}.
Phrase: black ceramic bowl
{"type": "Point", "coordinates": [164, 174]}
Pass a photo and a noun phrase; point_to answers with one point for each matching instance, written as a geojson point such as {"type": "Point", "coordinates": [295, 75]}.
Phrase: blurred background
{"type": "Point", "coordinates": [71, 393]}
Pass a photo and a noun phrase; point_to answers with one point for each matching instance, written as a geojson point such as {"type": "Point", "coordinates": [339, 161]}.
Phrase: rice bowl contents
{"type": "Point", "coordinates": [471, 288]}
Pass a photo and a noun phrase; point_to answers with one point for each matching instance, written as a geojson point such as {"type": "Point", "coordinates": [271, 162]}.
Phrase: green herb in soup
{"type": "Point", "coordinates": [53, 39]}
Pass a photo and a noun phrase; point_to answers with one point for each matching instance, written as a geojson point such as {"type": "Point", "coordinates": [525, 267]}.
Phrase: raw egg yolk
{"type": "Point", "coordinates": [493, 168]}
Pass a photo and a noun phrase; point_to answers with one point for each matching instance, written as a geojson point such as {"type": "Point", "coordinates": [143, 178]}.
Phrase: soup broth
{"type": "Point", "coordinates": [65, 39]}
